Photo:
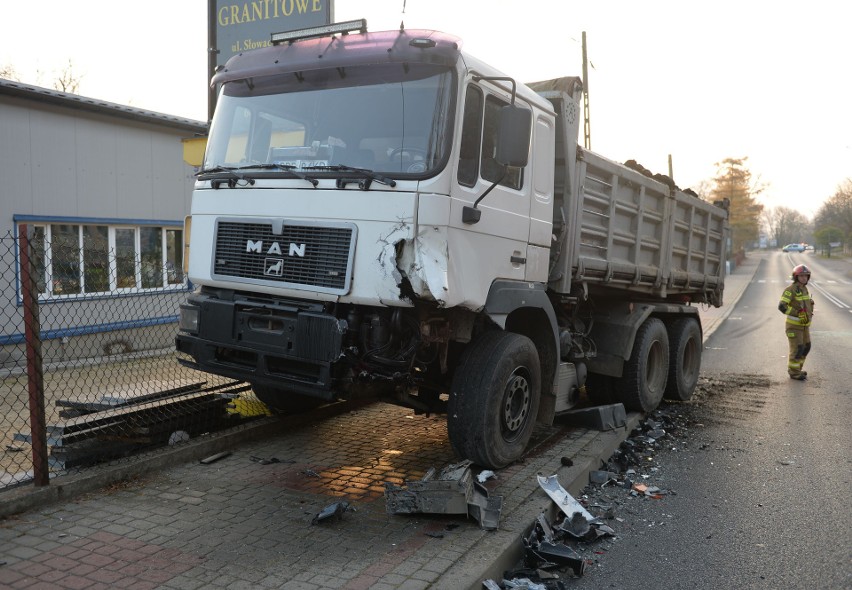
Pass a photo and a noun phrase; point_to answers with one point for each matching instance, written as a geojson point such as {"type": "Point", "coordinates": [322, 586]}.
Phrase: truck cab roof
{"type": "Point", "coordinates": [382, 47]}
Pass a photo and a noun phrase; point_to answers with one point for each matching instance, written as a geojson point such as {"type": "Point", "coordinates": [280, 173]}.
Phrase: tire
{"type": "Point", "coordinates": [643, 382]}
{"type": "Point", "coordinates": [685, 347]}
{"type": "Point", "coordinates": [494, 399]}
{"type": "Point", "coordinates": [281, 401]}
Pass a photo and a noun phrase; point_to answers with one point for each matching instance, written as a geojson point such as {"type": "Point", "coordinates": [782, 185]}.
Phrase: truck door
{"type": "Point", "coordinates": [496, 246]}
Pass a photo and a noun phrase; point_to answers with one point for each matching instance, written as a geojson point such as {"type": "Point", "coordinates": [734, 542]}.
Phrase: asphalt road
{"type": "Point", "coordinates": [759, 474]}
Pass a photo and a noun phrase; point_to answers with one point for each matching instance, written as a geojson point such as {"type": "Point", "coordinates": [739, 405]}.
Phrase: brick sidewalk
{"type": "Point", "coordinates": [238, 523]}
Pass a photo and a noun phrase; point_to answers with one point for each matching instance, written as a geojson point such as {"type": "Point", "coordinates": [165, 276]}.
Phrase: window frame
{"type": "Point", "coordinates": [171, 278]}
{"type": "Point", "coordinates": [483, 131]}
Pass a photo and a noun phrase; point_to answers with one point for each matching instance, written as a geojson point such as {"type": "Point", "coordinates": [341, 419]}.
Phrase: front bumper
{"type": "Point", "coordinates": [287, 345]}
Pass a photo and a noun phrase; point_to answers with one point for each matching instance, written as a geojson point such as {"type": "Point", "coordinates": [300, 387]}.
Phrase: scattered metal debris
{"type": "Point", "coordinates": [264, 461]}
{"type": "Point", "coordinates": [125, 422]}
{"type": "Point", "coordinates": [546, 548]}
{"type": "Point", "coordinates": [453, 490]}
{"type": "Point", "coordinates": [485, 476]}
{"type": "Point", "coordinates": [563, 500]}
{"type": "Point", "coordinates": [214, 458]}
{"type": "Point", "coordinates": [332, 511]}
{"type": "Point", "coordinates": [178, 436]}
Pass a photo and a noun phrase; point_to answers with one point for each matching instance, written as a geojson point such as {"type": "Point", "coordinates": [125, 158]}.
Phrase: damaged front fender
{"type": "Point", "coordinates": [417, 263]}
{"type": "Point", "coordinates": [424, 262]}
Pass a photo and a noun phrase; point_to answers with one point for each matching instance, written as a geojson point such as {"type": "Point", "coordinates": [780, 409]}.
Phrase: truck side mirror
{"type": "Point", "coordinates": [513, 136]}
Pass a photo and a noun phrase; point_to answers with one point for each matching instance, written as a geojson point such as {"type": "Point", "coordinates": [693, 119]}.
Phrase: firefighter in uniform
{"type": "Point", "coordinates": [798, 307]}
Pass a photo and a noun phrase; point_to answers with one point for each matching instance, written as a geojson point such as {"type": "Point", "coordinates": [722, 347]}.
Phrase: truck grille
{"type": "Point", "coordinates": [302, 255]}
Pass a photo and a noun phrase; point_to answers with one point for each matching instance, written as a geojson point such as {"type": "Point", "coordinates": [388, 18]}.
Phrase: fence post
{"type": "Point", "coordinates": [35, 376]}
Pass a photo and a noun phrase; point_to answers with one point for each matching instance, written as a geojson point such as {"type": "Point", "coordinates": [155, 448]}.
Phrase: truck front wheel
{"type": "Point", "coordinates": [685, 358]}
{"type": "Point", "coordinates": [494, 399]}
{"type": "Point", "coordinates": [643, 382]}
{"type": "Point", "coordinates": [280, 401]}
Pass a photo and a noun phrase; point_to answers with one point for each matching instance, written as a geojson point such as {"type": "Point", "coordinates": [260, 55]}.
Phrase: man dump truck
{"type": "Point", "coordinates": [381, 214]}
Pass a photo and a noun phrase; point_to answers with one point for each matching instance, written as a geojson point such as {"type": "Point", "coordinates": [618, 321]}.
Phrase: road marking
{"type": "Point", "coordinates": [829, 296]}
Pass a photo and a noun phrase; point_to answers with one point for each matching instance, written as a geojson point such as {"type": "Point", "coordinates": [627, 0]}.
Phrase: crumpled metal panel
{"type": "Point", "coordinates": [453, 490]}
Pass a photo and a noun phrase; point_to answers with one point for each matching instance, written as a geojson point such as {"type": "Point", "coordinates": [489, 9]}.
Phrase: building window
{"type": "Point", "coordinates": [94, 259]}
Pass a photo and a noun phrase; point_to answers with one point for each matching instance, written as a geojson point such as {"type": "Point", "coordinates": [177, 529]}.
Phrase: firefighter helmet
{"type": "Point", "coordinates": [801, 270]}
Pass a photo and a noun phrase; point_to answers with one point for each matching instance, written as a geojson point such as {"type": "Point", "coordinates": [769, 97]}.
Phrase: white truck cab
{"type": "Point", "coordinates": [383, 214]}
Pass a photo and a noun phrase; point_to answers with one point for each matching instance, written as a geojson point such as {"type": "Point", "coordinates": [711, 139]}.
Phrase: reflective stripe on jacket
{"type": "Point", "coordinates": [797, 304]}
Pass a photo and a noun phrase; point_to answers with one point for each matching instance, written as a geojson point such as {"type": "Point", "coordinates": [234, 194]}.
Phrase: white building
{"type": "Point", "coordinates": [104, 189]}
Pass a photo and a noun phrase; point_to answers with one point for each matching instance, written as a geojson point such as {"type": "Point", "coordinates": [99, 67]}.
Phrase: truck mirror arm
{"type": "Point", "coordinates": [471, 215]}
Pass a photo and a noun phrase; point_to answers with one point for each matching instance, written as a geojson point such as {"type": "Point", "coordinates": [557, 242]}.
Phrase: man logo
{"type": "Point", "coordinates": [275, 248]}
{"type": "Point", "coordinates": [274, 267]}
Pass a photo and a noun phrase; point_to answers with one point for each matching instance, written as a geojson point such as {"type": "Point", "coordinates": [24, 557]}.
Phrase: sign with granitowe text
{"type": "Point", "coordinates": [243, 25]}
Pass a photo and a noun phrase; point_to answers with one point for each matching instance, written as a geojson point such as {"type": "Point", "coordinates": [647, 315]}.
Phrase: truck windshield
{"type": "Point", "coordinates": [392, 119]}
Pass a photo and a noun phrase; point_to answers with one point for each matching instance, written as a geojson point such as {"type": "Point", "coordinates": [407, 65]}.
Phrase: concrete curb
{"type": "Point", "coordinates": [500, 550]}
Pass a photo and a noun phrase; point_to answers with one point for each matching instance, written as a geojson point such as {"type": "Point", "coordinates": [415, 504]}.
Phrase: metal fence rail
{"type": "Point", "coordinates": [92, 375]}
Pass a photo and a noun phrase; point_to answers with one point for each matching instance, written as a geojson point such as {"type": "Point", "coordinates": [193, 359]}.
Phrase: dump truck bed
{"type": "Point", "coordinates": [618, 229]}
{"type": "Point", "coordinates": [635, 233]}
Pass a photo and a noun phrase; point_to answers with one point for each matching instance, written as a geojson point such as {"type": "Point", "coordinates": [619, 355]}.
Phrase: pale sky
{"type": "Point", "coordinates": [702, 81]}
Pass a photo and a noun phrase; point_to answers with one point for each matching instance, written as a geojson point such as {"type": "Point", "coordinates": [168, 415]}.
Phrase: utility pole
{"type": "Point", "coordinates": [587, 126]}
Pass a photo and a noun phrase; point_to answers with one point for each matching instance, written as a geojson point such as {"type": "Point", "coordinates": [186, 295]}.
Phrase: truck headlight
{"type": "Point", "coordinates": [188, 321]}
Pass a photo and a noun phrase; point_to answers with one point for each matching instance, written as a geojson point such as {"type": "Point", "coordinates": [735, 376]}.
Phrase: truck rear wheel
{"type": "Point", "coordinates": [494, 399]}
{"type": "Point", "coordinates": [684, 358]}
{"type": "Point", "coordinates": [281, 401]}
{"type": "Point", "coordinates": [643, 382]}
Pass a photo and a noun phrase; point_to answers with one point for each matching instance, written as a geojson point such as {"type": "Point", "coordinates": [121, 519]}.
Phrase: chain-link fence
{"type": "Point", "coordinates": [87, 361]}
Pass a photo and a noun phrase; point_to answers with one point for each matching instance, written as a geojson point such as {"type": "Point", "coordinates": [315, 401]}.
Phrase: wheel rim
{"type": "Point", "coordinates": [517, 398]}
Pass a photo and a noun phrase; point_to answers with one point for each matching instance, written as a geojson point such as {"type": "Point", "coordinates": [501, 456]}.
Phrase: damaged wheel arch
{"type": "Point", "coordinates": [524, 308]}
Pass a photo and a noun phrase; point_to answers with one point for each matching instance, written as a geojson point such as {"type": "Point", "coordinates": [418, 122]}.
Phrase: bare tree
{"type": "Point", "coordinates": [8, 72]}
{"type": "Point", "coordinates": [68, 81]}
{"type": "Point", "coordinates": [703, 189]}
{"type": "Point", "coordinates": [787, 225]}
{"type": "Point", "coordinates": [836, 212]}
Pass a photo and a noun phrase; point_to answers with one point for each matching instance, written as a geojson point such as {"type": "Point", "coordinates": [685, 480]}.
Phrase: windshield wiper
{"type": "Point", "coordinates": [287, 167]}
{"type": "Point", "coordinates": [261, 166]}
{"type": "Point", "coordinates": [234, 176]}
{"type": "Point", "coordinates": [341, 182]}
